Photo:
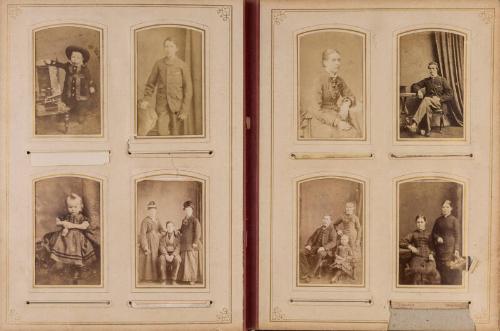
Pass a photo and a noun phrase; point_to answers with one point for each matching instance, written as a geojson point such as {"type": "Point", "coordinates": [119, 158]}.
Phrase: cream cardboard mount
{"type": "Point", "coordinates": [122, 165]}
{"type": "Point", "coordinates": [378, 163]}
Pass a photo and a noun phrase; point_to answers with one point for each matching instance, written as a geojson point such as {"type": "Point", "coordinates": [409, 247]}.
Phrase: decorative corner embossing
{"type": "Point", "coordinates": [224, 316]}
{"type": "Point", "coordinates": [14, 315]}
{"type": "Point", "coordinates": [224, 13]}
{"type": "Point", "coordinates": [487, 16]}
{"type": "Point", "coordinates": [278, 16]}
{"type": "Point", "coordinates": [14, 11]}
{"type": "Point", "coordinates": [278, 314]}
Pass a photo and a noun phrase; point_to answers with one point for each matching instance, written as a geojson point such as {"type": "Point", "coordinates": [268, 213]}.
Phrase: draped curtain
{"type": "Point", "coordinates": [450, 55]}
{"type": "Point", "coordinates": [193, 49]}
{"type": "Point", "coordinates": [198, 205]}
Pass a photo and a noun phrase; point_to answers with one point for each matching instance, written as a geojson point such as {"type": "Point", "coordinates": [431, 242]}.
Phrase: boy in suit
{"type": "Point", "coordinates": [171, 77]}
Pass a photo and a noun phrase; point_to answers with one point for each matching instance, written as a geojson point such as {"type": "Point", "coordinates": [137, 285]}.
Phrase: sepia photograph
{"type": "Point", "coordinates": [430, 233]}
{"type": "Point", "coordinates": [432, 80]}
{"type": "Point", "coordinates": [169, 76]}
{"type": "Point", "coordinates": [330, 232]}
{"type": "Point", "coordinates": [170, 232]}
{"type": "Point", "coordinates": [68, 81]}
{"type": "Point", "coordinates": [331, 78]}
{"type": "Point", "coordinates": [67, 216]}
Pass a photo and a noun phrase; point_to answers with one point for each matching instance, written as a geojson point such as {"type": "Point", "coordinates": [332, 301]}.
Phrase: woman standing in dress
{"type": "Point", "coordinates": [331, 111]}
{"type": "Point", "coordinates": [445, 240]}
{"type": "Point", "coordinates": [149, 240]}
{"type": "Point", "coordinates": [190, 246]}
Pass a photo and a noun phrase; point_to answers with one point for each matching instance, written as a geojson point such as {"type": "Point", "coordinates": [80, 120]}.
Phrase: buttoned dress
{"type": "Point", "coordinates": [350, 226]}
{"type": "Point", "coordinates": [448, 228]}
{"type": "Point", "coordinates": [327, 95]}
{"type": "Point", "coordinates": [422, 270]}
{"type": "Point", "coordinates": [149, 240]}
{"type": "Point", "coordinates": [191, 265]}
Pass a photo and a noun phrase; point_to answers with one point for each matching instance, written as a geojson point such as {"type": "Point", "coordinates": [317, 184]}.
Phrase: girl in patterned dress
{"type": "Point", "coordinates": [349, 225]}
{"type": "Point", "coordinates": [71, 245]}
{"type": "Point", "coordinates": [342, 266]}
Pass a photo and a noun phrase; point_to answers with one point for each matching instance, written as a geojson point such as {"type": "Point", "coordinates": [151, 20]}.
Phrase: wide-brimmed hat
{"type": "Point", "coordinates": [85, 53]}
{"type": "Point", "coordinates": [188, 204]}
{"type": "Point", "coordinates": [151, 204]}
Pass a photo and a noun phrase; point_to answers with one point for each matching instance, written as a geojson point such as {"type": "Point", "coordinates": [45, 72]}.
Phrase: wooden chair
{"type": "Point", "coordinates": [409, 102]}
{"type": "Point", "coordinates": [48, 94]}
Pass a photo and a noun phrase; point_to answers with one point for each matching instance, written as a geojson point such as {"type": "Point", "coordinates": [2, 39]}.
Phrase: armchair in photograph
{"type": "Point", "coordinates": [48, 92]}
{"type": "Point", "coordinates": [409, 102]}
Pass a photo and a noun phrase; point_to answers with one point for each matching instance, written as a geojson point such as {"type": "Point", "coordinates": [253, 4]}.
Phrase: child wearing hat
{"type": "Point", "coordinates": [78, 83]}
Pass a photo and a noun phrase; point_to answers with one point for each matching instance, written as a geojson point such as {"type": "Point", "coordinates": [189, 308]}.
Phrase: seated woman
{"type": "Point", "coordinates": [331, 111]}
{"type": "Point", "coordinates": [422, 266]}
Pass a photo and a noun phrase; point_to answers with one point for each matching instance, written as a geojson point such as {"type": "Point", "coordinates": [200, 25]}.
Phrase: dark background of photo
{"type": "Point", "coordinates": [311, 47]}
{"type": "Point", "coordinates": [150, 49]}
{"type": "Point", "coordinates": [51, 44]}
{"type": "Point", "coordinates": [426, 197]}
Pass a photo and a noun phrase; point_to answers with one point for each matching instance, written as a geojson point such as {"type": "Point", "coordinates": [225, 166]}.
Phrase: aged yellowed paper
{"type": "Point", "coordinates": [378, 161]}
{"type": "Point", "coordinates": [122, 165]}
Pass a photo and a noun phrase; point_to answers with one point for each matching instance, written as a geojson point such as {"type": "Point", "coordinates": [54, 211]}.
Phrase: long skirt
{"type": "Point", "coordinates": [190, 266]}
{"type": "Point", "coordinates": [149, 268]}
{"type": "Point", "coordinates": [74, 248]}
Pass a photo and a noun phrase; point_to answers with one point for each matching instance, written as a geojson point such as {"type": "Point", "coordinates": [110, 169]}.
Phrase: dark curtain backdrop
{"type": "Point", "coordinates": [190, 50]}
{"type": "Point", "coordinates": [450, 56]}
{"type": "Point", "coordinates": [194, 123]}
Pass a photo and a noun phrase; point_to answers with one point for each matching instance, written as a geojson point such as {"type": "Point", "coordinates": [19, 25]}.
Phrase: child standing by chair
{"type": "Point", "coordinates": [78, 83]}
